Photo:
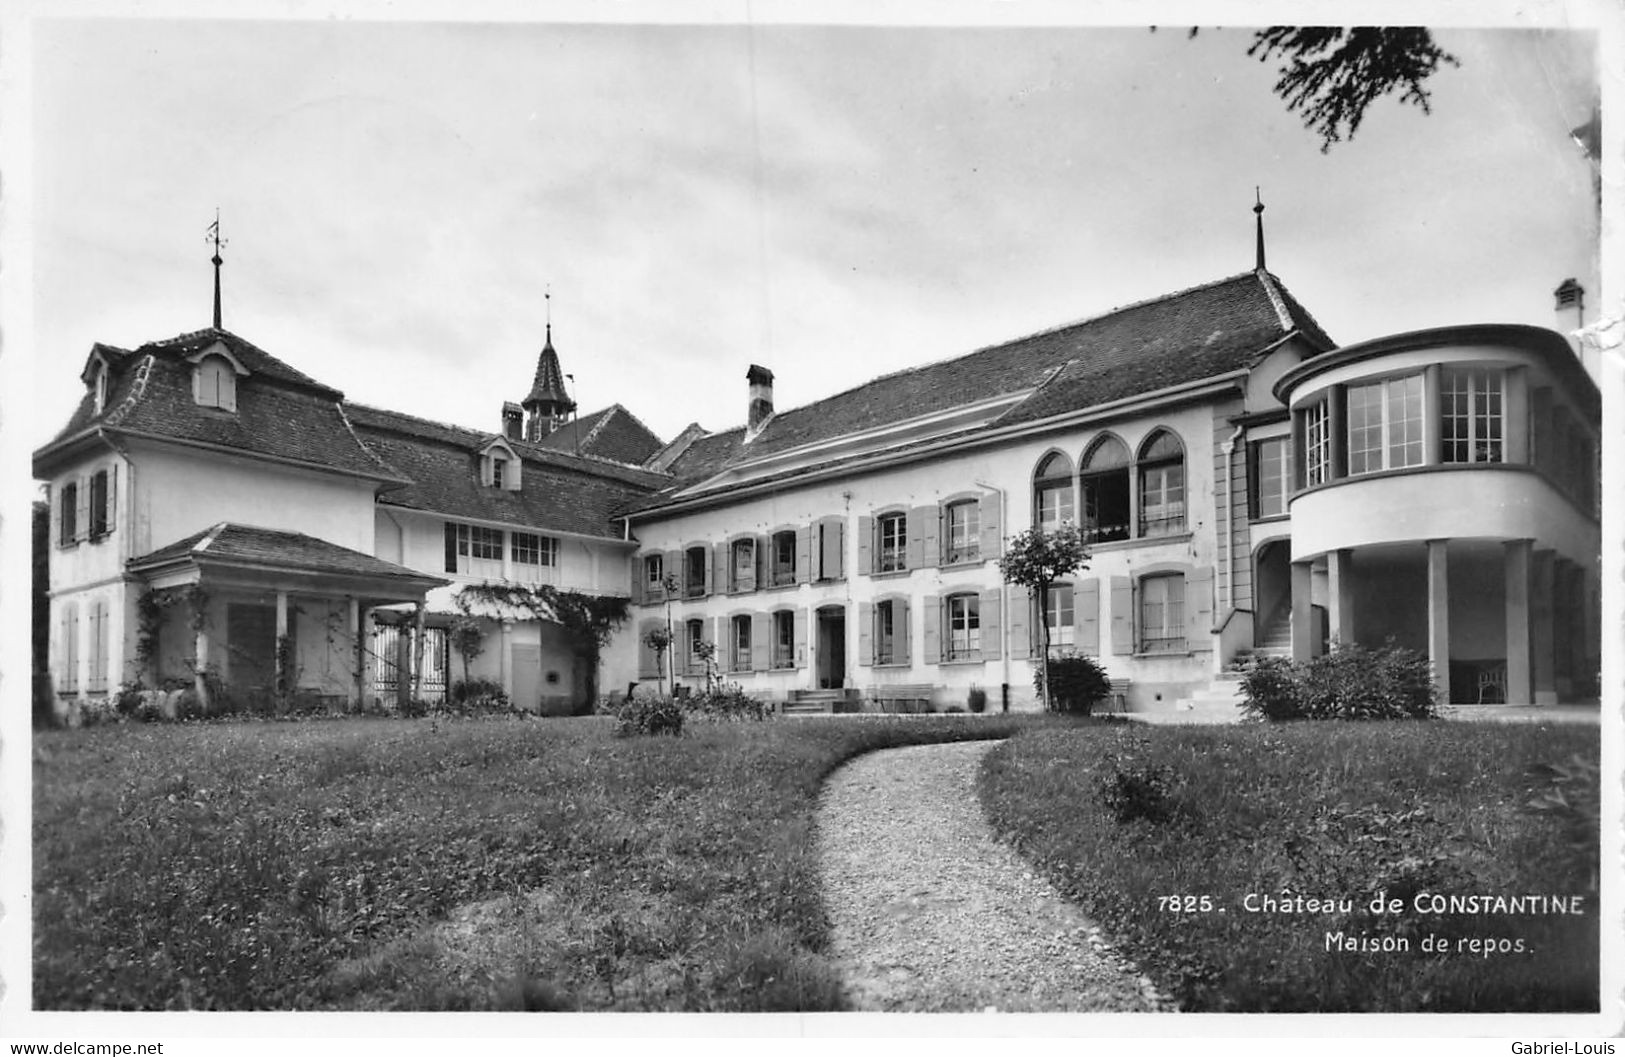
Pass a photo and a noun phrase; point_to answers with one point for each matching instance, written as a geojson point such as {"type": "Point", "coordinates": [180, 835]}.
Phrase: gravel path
{"type": "Point", "coordinates": [931, 914]}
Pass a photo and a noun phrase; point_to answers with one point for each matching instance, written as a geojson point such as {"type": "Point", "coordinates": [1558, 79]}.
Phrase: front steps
{"type": "Point", "coordinates": [816, 702]}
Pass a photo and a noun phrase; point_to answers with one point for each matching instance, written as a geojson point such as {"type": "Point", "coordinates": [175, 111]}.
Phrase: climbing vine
{"type": "Point", "coordinates": [150, 609]}
{"type": "Point", "coordinates": [588, 621]}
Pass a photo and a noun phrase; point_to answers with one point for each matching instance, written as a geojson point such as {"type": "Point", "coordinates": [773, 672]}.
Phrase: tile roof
{"type": "Point", "coordinates": [1180, 337]}
{"type": "Point", "coordinates": [611, 433]}
{"type": "Point", "coordinates": [558, 491]}
{"type": "Point", "coordinates": [228, 543]}
{"type": "Point", "coordinates": [281, 412]}
{"type": "Point", "coordinates": [548, 386]}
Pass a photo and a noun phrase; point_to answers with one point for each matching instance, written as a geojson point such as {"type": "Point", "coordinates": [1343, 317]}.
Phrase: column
{"type": "Point", "coordinates": [418, 643]}
{"type": "Point", "coordinates": [1542, 632]}
{"type": "Point", "coordinates": [505, 657]}
{"type": "Point", "coordinates": [1303, 613]}
{"type": "Point", "coordinates": [1564, 632]}
{"type": "Point", "coordinates": [1432, 428]}
{"type": "Point", "coordinates": [1519, 689]}
{"type": "Point", "coordinates": [1337, 437]}
{"type": "Point", "coordinates": [200, 661]}
{"type": "Point", "coordinates": [1340, 603]}
{"type": "Point", "coordinates": [281, 637]}
{"type": "Point", "coordinates": [358, 656]}
{"type": "Point", "coordinates": [1439, 615]}
{"type": "Point", "coordinates": [1515, 416]}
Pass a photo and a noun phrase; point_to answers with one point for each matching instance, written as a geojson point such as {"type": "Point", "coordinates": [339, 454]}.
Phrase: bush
{"type": "Point", "coordinates": [648, 715]}
{"type": "Point", "coordinates": [976, 700]}
{"type": "Point", "coordinates": [479, 695]}
{"type": "Point", "coordinates": [1138, 793]}
{"type": "Point", "coordinates": [1077, 684]}
{"type": "Point", "coordinates": [1350, 682]}
{"type": "Point", "coordinates": [1271, 689]}
{"type": "Point", "coordinates": [44, 700]}
{"type": "Point", "coordinates": [725, 704]}
{"type": "Point", "coordinates": [1572, 799]}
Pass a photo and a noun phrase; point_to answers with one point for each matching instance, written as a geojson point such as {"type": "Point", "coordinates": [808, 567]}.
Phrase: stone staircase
{"type": "Point", "coordinates": [1220, 700]}
{"type": "Point", "coordinates": [816, 702]}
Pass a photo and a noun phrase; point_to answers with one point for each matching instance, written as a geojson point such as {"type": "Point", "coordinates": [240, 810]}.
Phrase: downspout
{"type": "Point", "coordinates": [1226, 559]}
{"type": "Point", "coordinates": [1004, 601]}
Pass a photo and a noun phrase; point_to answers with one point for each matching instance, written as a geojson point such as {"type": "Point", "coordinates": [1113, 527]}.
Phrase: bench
{"type": "Point", "coordinates": [1117, 699]}
{"type": "Point", "coordinates": [917, 696]}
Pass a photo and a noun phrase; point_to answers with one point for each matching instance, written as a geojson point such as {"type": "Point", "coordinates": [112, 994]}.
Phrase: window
{"type": "Point", "coordinates": [694, 585]}
{"type": "Point", "coordinates": [1052, 493]}
{"type": "Point", "coordinates": [68, 514]}
{"type": "Point", "coordinates": [216, 383]}
{"type": "Point", "coordinates": [499, 472]}
{"type": "Point", "coordinates": [784, 558]}
{"type": "Point", "coordinates": [1058, 614]}
{"type": "Point", "coordinates": [886, 632]}
{"type": "Point", "coordinates": [742, 565]}
{"type": "Point", "coordinates": [1317, 446]}
{"type": "Point", "coordinates": [1385, 425]}
{"type": "Point", "coordinates": [1162, 485]}
{"type": "Point", "coordinates": [964, 628]}
{"type": "Point", "coordinates": [100, 388]}
{"type": "Point", "coordinates": [1162, 614]}
{"type": "Point", "coordinates": [1106, 491]}
{"type": "Point", "coordinates": [893, 543]}
{"type": "Point", "coordinates": [964, 534]}
{"type": "Point", "coordinates": [654, 569]}
{"type": "Point", "coordinates": [695, 631]}
{"type": "Point", "coordinates": [1470, 415]}
{"type": "Point", "coordinates": [740, 661]}
{"type": "Point", "coordinates": [1269, 465]}
{"type": "Point", "coordinates": [527, 548]}
{"type": "Point", "coordinates": [100, 508]}
{"type": "Point", "coordinates": [473, 550]}
{"type": "Point", "coordinates": [784, 639]}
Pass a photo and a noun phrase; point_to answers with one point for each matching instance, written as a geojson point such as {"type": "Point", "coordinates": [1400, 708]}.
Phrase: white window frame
{"type": "Point", "coordinates": [1157, 596]}
{"type": "Point", "coordinates": [892, 542]}
{"type": "Point", "coordinates": [962, 615]}
{"type": "Point", "coordinates": [1060, 610]}
{"type": "Point", "coordinates": [1481, 425]}
{"type": "Point", "coordinates": [782, 640]}
{"type": "Point", "coordinates": [885, 631]}
{"type": "Point", "coordinates": [962, 542]}
{"type": "Point", "coordinates": [1267, 468]}
{"type": "Point", "coordinates": [1380, 435]}
{"type": "Point", "coordinates": [739, 647]}
{"type": "Point", "coordinates": [1317, 444]}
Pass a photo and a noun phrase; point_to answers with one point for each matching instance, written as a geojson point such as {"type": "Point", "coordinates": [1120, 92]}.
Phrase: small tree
{"type": "Point", "coordinates": [671, 584]}
{"type": "Point", "coordinates": [1035, 559]}
{"type": "Point", "coordinates": [467, 637]}
{"type": "Point", "coordinates": [659, 640]}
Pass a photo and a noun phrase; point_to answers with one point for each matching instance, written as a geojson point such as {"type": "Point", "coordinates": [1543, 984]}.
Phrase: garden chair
{"type": "Point", "coordinates": [1493, 680]}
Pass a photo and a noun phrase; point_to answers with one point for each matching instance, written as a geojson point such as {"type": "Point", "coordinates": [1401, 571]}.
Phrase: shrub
{"type": "Point", "coordinates": [648, 715]}
{"type": "Point", "coordinates": [1271, 689]}
{"type": "Point", "coordinates": [44, 699]}
{"type": "Point", "coordinates": [723, 704]}
{"type": "Point", "coordinates": [976, 700]}
{"type": "Point", "coordinates": [1077, 684]}
{"type": "Point", "coordinates": [479, 695]}
{"type": "Point", "coordinates": [1350, 682]}
{"type": "Point", "coordinates": [1140, 792]}
{"type": "Point", "coordinates": [1572, 799]}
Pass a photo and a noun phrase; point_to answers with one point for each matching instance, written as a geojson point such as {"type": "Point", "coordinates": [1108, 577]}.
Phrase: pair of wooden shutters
{"type": "Point", "coordinates": [1123, 618]}
{"type": "Point", "coordinates": [872, 639]}
{"type": "Point", "coordinates": [926, 530]}
{"type": "Point", "coordinates": [938, 635]}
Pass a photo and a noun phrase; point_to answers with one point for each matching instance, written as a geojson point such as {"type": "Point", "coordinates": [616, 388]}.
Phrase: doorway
{"type": "Point", "coordinates": [831, 647]}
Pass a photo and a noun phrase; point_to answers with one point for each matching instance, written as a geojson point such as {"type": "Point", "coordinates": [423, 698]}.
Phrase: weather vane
{"type": "Point", "coordinates": [214, 236]}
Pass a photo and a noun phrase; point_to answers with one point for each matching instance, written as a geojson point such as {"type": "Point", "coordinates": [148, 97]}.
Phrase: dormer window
{"type": "Point", "coordinates": [99, 387]}
{"type": "Point", "coordinates": [499, 472]}
{"type": "Point", "coordinates": [499, 466]}
{"type": "Point", "coordinates": [214, 383]}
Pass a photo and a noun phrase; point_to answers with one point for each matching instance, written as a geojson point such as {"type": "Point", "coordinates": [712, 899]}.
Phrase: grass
{"type": "Point", "coordinates": [1327, 810]}
{"type": "Point", "coordinates": [414, 864]}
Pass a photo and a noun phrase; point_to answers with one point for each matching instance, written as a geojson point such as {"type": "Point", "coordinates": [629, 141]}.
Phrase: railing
{"type": "Point", "coordinates": [1172, 644]}
{"type": "Point", "coordinates": [783, 576]}
{"type": "Point", "coordinates": [1166, 525]}
{"type": "Point", "coordinates": [892, 560]}
{"type": "Point", "coordinates": [784, 656]}
{"type": "Point", "coordinates": [1105, 533]}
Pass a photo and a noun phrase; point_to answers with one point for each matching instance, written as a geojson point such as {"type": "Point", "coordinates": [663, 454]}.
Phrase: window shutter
{"type": "Point", "coordinates": [905, 639]}
{"type": "Point", "coordinates": [992, 533]}
{"type": "Point", "coordinates": [1086, 610]}
{"type": "Point", "coordinates": [804, 551]}
{"type": "Point", "coordinates": [927, 520]}
{"type": "Point", "coordinates": [719, 635]}
{"type": "Point", "coordinates": [721, 576]}
{"type": "Point", "coordinates": [648, 664]}
{"type": "Point", "coordinates": [801, 637]}
{"type": "Point", "coordinates": [831, 545]}
{"type": "Point", "coordinates": [931, 606]}
{"type": "Point", "coordinates": [1122, 617]}
{"type": "Point", "coordinates": [1023, 629]}
{"type": "Point", "coordinates": [451, 556]}
{"type": "Point", "coordinates": [866, 545]}
{"type": "Point", "coordinates": [81, 514]}
{"type": "Point", "coordinates": [866, 633]}
{"type": "Point", "coordinates": [112, 495]}
{"type": "Point", "coordinates": [636, 563]}
{"type": "Point", "coordinates": [760, 634]}
{"type": "Point", "coordinates": [1199, 608]}
{"type": "Point", "coordinates": [989, 618]}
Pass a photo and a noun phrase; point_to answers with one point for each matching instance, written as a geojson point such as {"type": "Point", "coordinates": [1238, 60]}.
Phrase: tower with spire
{"type": "Point", "coordinates": [548, 403]}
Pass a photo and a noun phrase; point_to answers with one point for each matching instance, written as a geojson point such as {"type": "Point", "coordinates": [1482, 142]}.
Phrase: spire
{"type": "Point", "coordinates": [1258, 212]}
{"type": "Point", "coordinates": [214, 236]}
{"type": "Point", "coordinates": [548, 402]}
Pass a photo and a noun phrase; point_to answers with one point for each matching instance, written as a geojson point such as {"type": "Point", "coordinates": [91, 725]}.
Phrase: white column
{"type": "Point", "coordinates": [1439, 615]}
{"type": "Point", "coordinates": [1340, 587]}
{"type": "Point", "coordinates": [1303, 613]}
{"type": "Point", "coordinates": [1519, 689]}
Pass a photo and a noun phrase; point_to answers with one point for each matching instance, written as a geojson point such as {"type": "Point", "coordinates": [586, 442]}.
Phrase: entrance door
{"type": "Point", "coordinates": [527, 677]}
{"type": "Point", "coordinates": [831, 648]}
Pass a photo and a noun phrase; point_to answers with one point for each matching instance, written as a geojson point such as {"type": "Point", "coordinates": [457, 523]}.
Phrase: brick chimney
{"type": "Point", "coordinates": [761, 399]}
{"type": "Point", "coordinates": [513, 420]}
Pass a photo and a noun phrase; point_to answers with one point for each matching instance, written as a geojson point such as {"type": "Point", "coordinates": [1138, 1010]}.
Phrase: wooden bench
{"type": "Point", "coordinates": [918, 696]}
{"type": "Point", "coordinates": [1117, 700]}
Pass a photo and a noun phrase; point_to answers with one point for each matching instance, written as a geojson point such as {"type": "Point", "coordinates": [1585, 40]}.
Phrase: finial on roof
{"type": "Point", "coordinates": [214, 236]}
{"type": "Point", "coordinates": [547, 298]}
{"type": "Point", "coordinates": [1258, 213]}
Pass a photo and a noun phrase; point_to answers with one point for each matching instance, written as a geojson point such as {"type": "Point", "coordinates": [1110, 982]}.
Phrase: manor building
{"type": "Point", "coordinates": [1246, 486]}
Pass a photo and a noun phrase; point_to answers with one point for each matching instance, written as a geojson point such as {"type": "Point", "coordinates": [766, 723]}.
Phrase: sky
{"type": "Point", "coordinates": [833, 202]}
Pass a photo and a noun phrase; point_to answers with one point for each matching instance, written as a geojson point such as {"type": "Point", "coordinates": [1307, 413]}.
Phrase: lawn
{"type": "Point", "coordinates": [1323, 810]}
{"type": "Point", "coordinates": [421, 864]}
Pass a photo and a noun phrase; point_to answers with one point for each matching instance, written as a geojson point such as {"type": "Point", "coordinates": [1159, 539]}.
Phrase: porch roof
{"type": "Point", "coordinates": [249, 554]}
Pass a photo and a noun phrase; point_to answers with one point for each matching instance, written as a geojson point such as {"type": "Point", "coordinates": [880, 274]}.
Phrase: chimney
{"type": "Point", "coordinates": [1570, 306]}
{"type": "Point", "coordinates": [513, 420]}
{"type": "Point", "coordinates": [761, 399]}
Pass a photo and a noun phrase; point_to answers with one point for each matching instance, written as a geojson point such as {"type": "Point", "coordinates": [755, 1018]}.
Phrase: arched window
{"type": "Point", "coordinates": [216, 383]}
{"type": "Point", "coordinates": [1162, 485]}
{"type": "Point", "coordinates": [1106, 491]}
{"type": "Point", "coordinates": [1052, 492]}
